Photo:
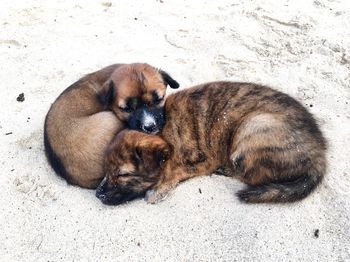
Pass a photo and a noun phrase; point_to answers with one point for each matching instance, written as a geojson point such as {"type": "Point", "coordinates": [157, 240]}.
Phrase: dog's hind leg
{"type": "Point", "coordinates": [278, 163]}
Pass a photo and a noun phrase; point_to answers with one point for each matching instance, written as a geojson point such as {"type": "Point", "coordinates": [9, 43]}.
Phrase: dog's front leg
{"type": "Point", "coordinates": [170, 180]}
{"type": "Point", "coordinates": [155, 195]}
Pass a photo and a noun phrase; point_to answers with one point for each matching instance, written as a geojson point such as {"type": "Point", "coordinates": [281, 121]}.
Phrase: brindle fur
{"type": "Point", "coordinates": [86, 116]}
{"type": "Point", "coordinates": [254, 133]}
{"type": "Point", "coordinates": [131, 155]}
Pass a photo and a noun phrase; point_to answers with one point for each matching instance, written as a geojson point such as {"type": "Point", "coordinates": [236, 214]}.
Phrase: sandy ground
{"type": "Point", "coordinates": [299, 47]}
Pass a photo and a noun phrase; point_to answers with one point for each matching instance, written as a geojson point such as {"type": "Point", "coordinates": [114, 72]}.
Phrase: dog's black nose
{"type": "Point", "coordinates": [150, 128]}
{"type": "Point", "coordinates": [101, 190]}
{"type": "Point", "coordinates": [101, 196]}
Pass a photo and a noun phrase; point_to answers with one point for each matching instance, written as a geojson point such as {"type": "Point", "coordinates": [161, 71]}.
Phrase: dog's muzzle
{"type": "Point", "coordinates": [148, 120]}
{"type": "Point", "coordinates": [101, 190]}
{"type": "Point", "coordinates": [115, 195]}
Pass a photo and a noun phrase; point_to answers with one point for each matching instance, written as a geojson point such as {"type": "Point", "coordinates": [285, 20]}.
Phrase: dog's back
{"type": "Point", "coordinates": [257, 134]}
{"type": "Point", "coordinates": [77, 131]}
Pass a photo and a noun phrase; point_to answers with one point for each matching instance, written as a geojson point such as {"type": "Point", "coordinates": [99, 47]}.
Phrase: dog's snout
{"type": "Point", "coordinates": [101, 189]}
{"type": "Point", "coordinates": [101, 196]}
{"type": "Point", "coordinates": [150, 128]}
{"type": "Point", "coordinates": [102, 192]}
{"type": "Point", "coordinates": [147, 120]}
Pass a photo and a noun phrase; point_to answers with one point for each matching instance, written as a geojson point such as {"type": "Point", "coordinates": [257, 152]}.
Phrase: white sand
{"type": "Point", "coordinates": [300, 47]}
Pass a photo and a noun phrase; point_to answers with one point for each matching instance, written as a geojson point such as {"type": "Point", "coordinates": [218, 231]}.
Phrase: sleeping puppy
{"type": "Point", "coordinates": [250, 132]}
{"type": "Point", "coordinates": [87, 115]}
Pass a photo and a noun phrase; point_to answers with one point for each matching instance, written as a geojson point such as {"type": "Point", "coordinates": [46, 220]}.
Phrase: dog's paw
{"type": "Point", "coordinates": [155, 196]}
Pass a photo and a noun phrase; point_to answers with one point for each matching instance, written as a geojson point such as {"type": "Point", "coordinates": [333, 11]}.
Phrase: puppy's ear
{"type": "Point", "coordinates": [106, 94]}
{"type": "Point", "coordinates": [168, 79]}
{"type": "Point", "coordinates": [162, 154]}
{"type": "Point", "coordinates": [138, 154]}
{"type": "Point", "coordinates": [153, 157]}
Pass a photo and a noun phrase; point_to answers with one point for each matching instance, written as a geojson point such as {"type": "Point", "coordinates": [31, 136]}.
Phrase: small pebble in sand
{"type": "Point", "coordinates": [20, 97]}
{"type": "Point", "coordinates": [200, 191]}
{"type": "Point", "coordinates": [9, 133]}
{"type": "Point", "coordinates": [316, 233]}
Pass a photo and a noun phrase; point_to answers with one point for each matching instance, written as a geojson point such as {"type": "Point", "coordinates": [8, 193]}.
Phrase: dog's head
{"type": "Point", "coordinates": [133, 163]}
{"type": "Point", "coordinates": [136, 94]}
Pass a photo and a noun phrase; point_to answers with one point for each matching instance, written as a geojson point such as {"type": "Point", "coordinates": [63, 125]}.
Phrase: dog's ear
{"type": "Point", "coordinates": [153, 157]}
{"type": "Point", "coordinates": [138, 154]}
{"type": "Point", "coordinates": [106, 94]}
{"type": "Point", "coordinates": [168, 79]}
{"type": "Point", "coordinates": [162, 154]}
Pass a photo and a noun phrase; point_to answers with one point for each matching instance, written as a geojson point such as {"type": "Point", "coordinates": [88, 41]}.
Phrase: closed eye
{"type": "Point", "coordinates": [158, 101]}
{"type": "Point", "coordinates": [125, 174]}
{"type": "Point", "coordinates": [126, 109]}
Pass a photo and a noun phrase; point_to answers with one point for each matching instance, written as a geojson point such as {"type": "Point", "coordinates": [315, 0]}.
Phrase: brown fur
{"type": "Point", "coordinates": [131, 155]}
{"type": "Point", "coordinates": [256, 134]}
{"type": "Point", "coordinates": [78, 126]}
{"type": "Point", "coordinates": [134, 81]}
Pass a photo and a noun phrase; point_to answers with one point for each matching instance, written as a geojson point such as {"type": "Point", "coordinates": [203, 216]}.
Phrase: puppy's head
{"type": "Point", "coordinates": [133, 163]}
{"type": "Point", "coordinates": [136, 94]}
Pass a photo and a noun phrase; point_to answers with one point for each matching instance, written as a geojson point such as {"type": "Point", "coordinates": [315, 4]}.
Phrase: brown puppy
{"type": "Point", "coordinates": [78, 126]}
{"type": "Point", "coordinates": [261, 136]}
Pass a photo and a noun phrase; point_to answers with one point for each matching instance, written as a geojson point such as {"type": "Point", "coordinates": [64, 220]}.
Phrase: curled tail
{"type": "Point", "coordinates": [289, 191]}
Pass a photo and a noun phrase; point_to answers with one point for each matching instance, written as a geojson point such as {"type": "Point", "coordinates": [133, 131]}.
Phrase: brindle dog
{"type": "Point", "coordinates": [256, 134]}
{"type": "Point", "coordinates": [86, 116]}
